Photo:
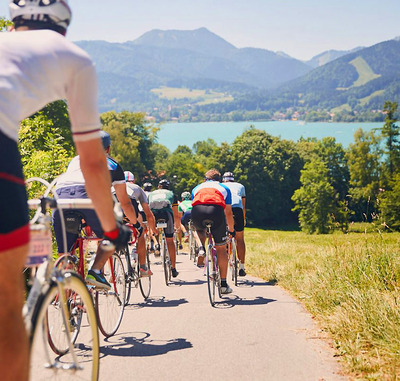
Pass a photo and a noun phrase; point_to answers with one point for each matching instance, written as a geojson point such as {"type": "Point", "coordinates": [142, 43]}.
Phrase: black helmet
{"type": "Point", "coordinates": [164, 184]}
{"type": "Point", "coordinates": [228, 176]}
{"type": "Point", "coordinates": [105, 139]}
{"type": "Point", "coordinates": [147, 187]}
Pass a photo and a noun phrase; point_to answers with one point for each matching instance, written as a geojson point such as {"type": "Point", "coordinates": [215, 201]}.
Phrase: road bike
{"type": "Point", "coordinates": [62, 344]}
{"type": "Point", "coordinates": [233, 259]}
{"type": "Point", "coordinates": [193, 247]}
{"type": "Point", "coordinates": [132, 274]}
{"type": "Point", "coordinates": [161, 225]}
{"type": "Point", "coordinates": [212, 269]}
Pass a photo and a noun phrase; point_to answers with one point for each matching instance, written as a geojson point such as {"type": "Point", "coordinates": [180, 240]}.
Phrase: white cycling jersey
{"type": "Point", "coordinates": [41, 66]}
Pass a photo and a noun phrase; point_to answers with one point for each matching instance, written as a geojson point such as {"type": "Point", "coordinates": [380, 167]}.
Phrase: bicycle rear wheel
{"type": "Point", "coordinates": [145, 282]}
{"type": "Point", "coordinates": [166, 262]}
{"type": "Point", "coordinates": [233, 262]}
{"type": "Point", "coordinates": [81, 360]}
{"type": "Point", "coordinates": [124, 255]}
{"type": "Point", "coordinates": [110, 304]}
{"type": "Point", "coordinates": [211, 275]}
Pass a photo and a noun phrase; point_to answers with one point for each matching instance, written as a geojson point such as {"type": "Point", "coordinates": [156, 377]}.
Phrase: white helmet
{"type": "Point", "coordinates": [54, 12]}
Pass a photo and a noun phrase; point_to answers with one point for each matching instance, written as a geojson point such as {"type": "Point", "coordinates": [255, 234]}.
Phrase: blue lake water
{"type": "Point", "coordinates": [173, 134]}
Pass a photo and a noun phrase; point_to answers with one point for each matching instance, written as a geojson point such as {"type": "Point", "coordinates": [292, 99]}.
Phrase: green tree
{"type": "Point", "coordinates": [314, 200]}
{"type": "Point", "coordinates": [390, 204]}
{"type": "Point", "coordinates": [4, 24]}
{"type": "Point", "coordinates": [390, 133]}
{"type": "Point", "coordinates": [364, 162]}
{"type": "Point", "coordinates": [132, 138]}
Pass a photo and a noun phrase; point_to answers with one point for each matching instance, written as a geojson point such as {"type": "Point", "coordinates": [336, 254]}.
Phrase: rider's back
{"type": "Point", "coordinates": [42, 66]}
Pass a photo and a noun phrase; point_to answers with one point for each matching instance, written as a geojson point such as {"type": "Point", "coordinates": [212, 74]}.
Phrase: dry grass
{"type": "Point", "coordinates": [349, 282]}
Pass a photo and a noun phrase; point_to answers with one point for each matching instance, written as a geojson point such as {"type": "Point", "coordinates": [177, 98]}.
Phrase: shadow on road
{"type": "Point", "coordinates": [191, 283]}
{"type": "Point", "coordinates": [161, 301]}
{"type": "Point", "coordinates": [137, 346]}
{"type": "Point", "coordinates": [252, 283]}
{"type": "Point", "coordinates": [234, 300]}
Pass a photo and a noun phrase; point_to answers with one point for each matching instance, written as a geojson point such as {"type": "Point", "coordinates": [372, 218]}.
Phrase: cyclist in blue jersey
{"type": "Point", "coordinates": [239, 215]}
{"type": "Point", "coordinates": [212, 200]}
{"type": "Point", "coordinates": [72, 185]}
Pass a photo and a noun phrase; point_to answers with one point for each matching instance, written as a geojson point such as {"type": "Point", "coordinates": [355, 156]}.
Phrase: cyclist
{"type": "Point", "coordinates": [139, 199]}
{"type": "Point", "coordinates": [164, 205]}
{"type": "Point", "coordinates": [152, 237]}
{"type": "Point", "coordinates": [212, 200]}
{"type": "Point", "coordinates": [185, 212]}
{"type": "Point", "coordinates": [39, 66]}
{"type": "Point", "coordinates": [239, 215]}
{"type": "Point", "coordinates": [72, 185]}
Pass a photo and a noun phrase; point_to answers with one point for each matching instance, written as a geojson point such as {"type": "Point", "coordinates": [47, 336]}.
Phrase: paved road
{"type": "Point", "coordinates": [257, 333]}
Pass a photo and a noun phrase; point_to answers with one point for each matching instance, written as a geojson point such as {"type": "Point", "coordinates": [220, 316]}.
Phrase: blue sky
{"type": "Point", "coordinates": [300, 28]}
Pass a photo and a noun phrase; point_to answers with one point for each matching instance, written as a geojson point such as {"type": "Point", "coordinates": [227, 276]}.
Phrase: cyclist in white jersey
{"type": "Point", "coordinates": [39, 65]}
{"type": "Point", "coordinates": [239, 215]}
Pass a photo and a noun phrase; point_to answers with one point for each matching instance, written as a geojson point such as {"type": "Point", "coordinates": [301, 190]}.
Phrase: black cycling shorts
{"type": "Point", "coordinates": [238, 217]}
{"type": "Point", "coordinates": [89, 215]}
{"type": "Point", "coordinates": [165, 214]}
{"type": "Point", "coordinates": [135, 206]}
{"type": "Point", "coordinates": [143, 214]}
{"type": "Point", "coordinates": [186, 217]}
{"type": "Point", "coordinates": [14, 220]}
{"type": "Point", "coordinates": [215, 213]}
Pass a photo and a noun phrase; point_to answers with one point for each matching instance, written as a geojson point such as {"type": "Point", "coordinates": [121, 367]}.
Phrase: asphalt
{"type": "Point", "coordinates": [259, 332]}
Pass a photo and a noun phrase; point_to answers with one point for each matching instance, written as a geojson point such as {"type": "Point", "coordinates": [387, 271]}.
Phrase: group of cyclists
{"type": "Point", "coordinates": [38, 65]}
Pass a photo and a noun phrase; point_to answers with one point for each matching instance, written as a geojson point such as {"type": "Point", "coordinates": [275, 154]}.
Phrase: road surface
{"type": "Point", "coordinates": [258, 332]}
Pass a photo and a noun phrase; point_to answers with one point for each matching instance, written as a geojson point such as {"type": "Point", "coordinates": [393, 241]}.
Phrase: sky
{"type": "Point", "coordinates": [300, 28]}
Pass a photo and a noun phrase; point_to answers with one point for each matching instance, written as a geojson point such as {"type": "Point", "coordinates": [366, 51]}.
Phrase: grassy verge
{"type": "Point", "coordinates": [349, 282]}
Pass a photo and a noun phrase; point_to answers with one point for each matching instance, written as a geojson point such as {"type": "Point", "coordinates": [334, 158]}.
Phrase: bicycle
{"type": "Point", "coordinates": [54, 309]}
{"type": "Point", "coordinates": [192, 242]}
{"type": "Point", "coordinates": [110, 304]}
{"type": "Point", "coordinates": [161, 225]}
{"type": "Point", "coordinates": [132, 274]}
{"type": "Point", "coordinates": [213, 275]}
{"type": "Point", "coordinates": [233, 259]}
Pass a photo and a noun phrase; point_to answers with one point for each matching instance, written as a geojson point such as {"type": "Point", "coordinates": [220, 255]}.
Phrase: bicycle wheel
{"type": "Point", "coordinates": [233, 261]}
{"type": "Point", "coordinates": [110, 304]}
{"type": "Point", "coordinates": [145, 282]}
{"type": "Point", "coordinates": [81, 360]}
{"type": "Point", "coordinates": [192, 249]}
{"type": "Point", "coordinates": [211, 275]}
{"type": "Point", "coordinates": [124, 255]}
{"type": "Point", "coordinates": [166, 261]}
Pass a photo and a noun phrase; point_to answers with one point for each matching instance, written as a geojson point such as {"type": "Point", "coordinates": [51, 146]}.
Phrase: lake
{"type": "Point", "coordinates": [173, 134]}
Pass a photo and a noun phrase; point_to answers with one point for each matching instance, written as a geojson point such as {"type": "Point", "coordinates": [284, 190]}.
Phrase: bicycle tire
{"type": "Point", "coordinates": [166, 261]}
{"type": "Point", "coordinates": [44, 364]}
{"type": "Point", "coordinates": [235, 264]}
{"type": "Point", "coordinates": [124, 253]}
{"type": "Point", "coordinates": [110, 304]}
{"type": "Point", "coordinates": [145, 282]}
{"type": "Point", "coordinates": [211, 283]}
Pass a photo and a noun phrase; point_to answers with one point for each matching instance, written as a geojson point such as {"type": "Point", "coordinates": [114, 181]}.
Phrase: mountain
{"type": "Point", "coordinates": [188, 58]}
{"type": "Point", "coordinates": [359, 81]}
{"type": "Point", "coordinates": [328, 56]}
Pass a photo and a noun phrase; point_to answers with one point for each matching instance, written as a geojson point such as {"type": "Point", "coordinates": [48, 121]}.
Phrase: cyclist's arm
{"type": "Point", "coordinates": [125, 201]}
{"type": "Point", "coordinates": [149, 216]}
{"type": "Point", "coordinates": [97, 180]}
{"type": "Point", "coordinates": [244, 206]}
{"type": "Point", "coordinates": [229, 218]}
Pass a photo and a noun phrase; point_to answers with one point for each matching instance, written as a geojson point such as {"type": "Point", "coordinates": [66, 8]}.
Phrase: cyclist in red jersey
{"type": "Point", "coordinates": [39, 65]}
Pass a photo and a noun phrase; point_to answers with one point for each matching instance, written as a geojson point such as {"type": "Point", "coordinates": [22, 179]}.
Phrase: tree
{"type": "Point", "coordinates": [364, 162]}
{"type": "Point", "coordinates": [391, 133]}
{"type": "Point", "coordinates": [390, 204]}
{"type": "Point", "coordinates": [4, 24]}
{"type": "Point", "coordinates": [314, 200]}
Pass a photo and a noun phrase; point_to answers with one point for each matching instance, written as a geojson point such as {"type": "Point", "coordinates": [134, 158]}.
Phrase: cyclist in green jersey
{"type": "Point", "coordinates": [185, 212]}
{"type": "Point", "coordinates": [164, 205]}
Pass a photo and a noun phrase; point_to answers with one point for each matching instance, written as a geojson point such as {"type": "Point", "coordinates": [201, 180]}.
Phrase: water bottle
{"type": "Point", "coordinates": [134, 255]}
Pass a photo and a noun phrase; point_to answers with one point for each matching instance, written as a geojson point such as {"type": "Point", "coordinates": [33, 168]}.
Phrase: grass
{"type": "Point", "coordinates": [365, 100]}
{"type": "Point", "coordinates": [349, 282]}
{"type": "Point", "coordinates": [365, 73]}
{"type": "Point", "coordinates": [200, 96]}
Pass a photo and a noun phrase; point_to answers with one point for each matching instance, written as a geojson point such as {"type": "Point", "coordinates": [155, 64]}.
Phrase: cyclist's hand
{"type": "Point", "coordinates": [139, 228]}
{"type": "Point", "coordinates": [232, 233]}
{"type": "Point", "coordinates": [119, 237]}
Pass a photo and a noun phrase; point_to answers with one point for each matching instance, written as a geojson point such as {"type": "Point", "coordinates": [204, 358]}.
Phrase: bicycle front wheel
{"type": "Point", "coordinates": [80, 360]}
{"type": "Point", "coordinates": [145, 282]}
{"type": "Point", "coordinates": [110, 304]}
{"type": "Point", "coordinates": [124, 255]}
{"type": "Point", "coordinates": [211, 275]}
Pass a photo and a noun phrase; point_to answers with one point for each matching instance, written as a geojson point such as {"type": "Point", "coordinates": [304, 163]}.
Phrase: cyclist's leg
{"type": "Point", "coordinates": [200, 213]}
{"type": "Point", "coordinates": [169, 234]}
{"type": "Point", "coordinates": [239, 228]}
{"type": "Point", "coordinates": [14, 238]}
{"type": "Point", "coordinates": [141, 250]}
